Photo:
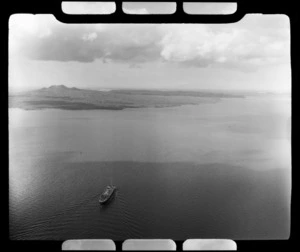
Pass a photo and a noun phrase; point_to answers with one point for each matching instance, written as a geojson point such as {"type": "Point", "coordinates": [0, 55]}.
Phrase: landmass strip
{"type": "Point", "coordinates": [71, 98]}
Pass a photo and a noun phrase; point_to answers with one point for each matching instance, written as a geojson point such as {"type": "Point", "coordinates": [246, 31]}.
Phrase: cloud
{"type": "Point", "coordinates": [90, 36]}
{"type": "Point", "coordinates": [254, 42]}
{"type": "Point", "coordinates": [85, 43]}
{"type": "Point", "coordinates": [201, 46]}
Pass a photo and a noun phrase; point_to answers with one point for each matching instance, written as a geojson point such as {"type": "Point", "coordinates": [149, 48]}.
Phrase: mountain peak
{"type": "Point", "coordinates": [58, 89]}
{"type": "Point", "coordinates": [58, 86]}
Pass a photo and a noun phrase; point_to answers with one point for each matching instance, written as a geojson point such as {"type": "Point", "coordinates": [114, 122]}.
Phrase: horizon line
{"type": "Point", "coordinates": [12, 89]}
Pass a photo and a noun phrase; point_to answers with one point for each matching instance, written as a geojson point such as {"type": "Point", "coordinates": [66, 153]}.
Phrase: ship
{"type": "Point", "coordinates": [107, 194]}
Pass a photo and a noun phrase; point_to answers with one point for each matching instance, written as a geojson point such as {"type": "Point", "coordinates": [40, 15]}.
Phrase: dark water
{"type": "Point", "coordinates": [178, 200]}
{"type": "Point", "coordinates": [202, 174]}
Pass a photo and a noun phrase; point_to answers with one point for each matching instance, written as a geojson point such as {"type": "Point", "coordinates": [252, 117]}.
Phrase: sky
{"type": "Point", "coordinates": [252, 54]}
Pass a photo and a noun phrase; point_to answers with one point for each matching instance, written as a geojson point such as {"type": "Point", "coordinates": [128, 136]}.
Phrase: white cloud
{"type": "Point", "coordinates": [243, 44]}
{"type": "Point", "coordinates": [31, 24]}
{"type": "Point", "coordinates": [185, 42]}
{"type": "Point", "coordinates": [24, 26]}
{"type": "Point", "coordinates": [221, 59]}
{"type": "Point", "coordinates": [203, 45]}
{"type": "Point", "coordinates": [90, 36]}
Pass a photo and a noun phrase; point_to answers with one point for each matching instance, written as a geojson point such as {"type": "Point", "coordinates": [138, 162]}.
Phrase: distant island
{"type": "Point", "coordinates": [71, 98]}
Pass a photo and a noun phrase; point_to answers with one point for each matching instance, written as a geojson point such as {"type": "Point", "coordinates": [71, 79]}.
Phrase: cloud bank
{"type": "Point", "coordinates": [254, 42]}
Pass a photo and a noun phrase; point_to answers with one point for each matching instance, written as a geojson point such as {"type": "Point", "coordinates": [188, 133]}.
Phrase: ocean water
{"type": "Point", "coordinates": [213, 170]}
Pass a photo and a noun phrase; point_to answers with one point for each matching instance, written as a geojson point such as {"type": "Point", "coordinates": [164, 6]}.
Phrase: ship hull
{"type": "Point", "coordinates": [107, 198]}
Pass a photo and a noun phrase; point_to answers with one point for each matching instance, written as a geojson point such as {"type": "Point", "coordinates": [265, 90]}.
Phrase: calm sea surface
{"type": "Point", "coordinates": [214, 170]}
